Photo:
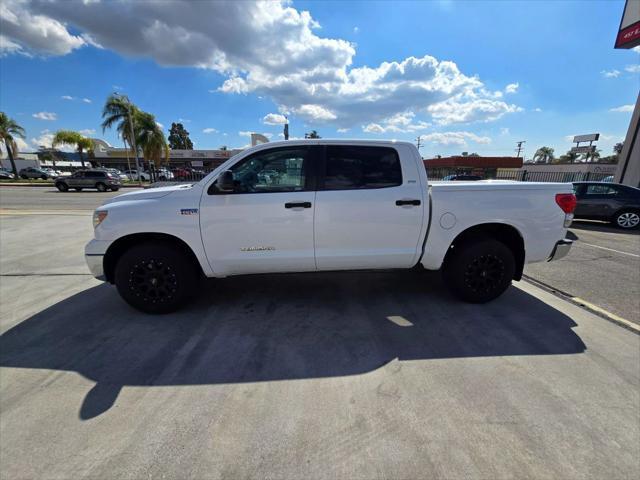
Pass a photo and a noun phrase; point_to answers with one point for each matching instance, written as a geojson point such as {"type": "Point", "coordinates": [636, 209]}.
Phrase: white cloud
{"type": "Point", "coordinates": [86, 100]}
{"type": "Point", "coordinates": [274, 119]}
{"type": "Point", "coordinates": [209, 130]}
{"type": "Point", "coordinates": [28, 31]}
{"type": "Point", "coordinates": [610, 73]}
{"type": "Point", "coordinates": [476, 110]}
{"type": "Point", "coordinates": [117, 87]}
{"type": "Point", "coordinates": [454, 138]}
{"type": "Point", "coordinates": [504, 131]}
{"type": "Point", "coordinates": [512, 88]}
{"type": "Point", "coordinates": [45, 116]}
{"type": "Point", "coordinates": [22, 145]}
{"type": "Point", "coordinates": [633, 68]}
{"type": "Point", "coordinates": [373, 128]}
{"type": "Point", "coordinates": [343, 130]}
{"type": "Point", "coordinates": [67, 97]}
{"type": "Point", "coordinates": [160, 124]}
{"type": "Point", "coordinates": [537, 109]}
{"type": "Point", "coordinates": [88, 131]}
{"type": "Point", "coordinates": [275, 51]}
{"type": "Point", "coordinates": [622, 108]}
{"type": "Point", "coordinates": [8, 47]}
{"type": "Point", "coordinates": [356, 29]}
{"type": "Point", "coordinates": [184, 120]}
{"type": "Point", "coordinates": [400, 123]}
{"type": "Point", "coordinates": [636, 49]}
{"type": "Point", "coordinates": [314, 112]}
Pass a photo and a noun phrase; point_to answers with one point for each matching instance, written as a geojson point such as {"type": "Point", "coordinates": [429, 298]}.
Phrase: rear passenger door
{"type": "Point", "coordinates": [369, 209]}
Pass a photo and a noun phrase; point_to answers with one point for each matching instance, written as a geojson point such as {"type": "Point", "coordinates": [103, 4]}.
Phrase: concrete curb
{"type": "Point", "coordinates": [596, 310]}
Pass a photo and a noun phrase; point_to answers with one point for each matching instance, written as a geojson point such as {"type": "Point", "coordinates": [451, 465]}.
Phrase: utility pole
{"type": "Point", "coordinates": [418, 140]}
{"type": "Point", "coordinates": [520, 147]}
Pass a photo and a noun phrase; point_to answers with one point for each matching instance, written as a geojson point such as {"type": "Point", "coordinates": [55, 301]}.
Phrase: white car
{"type": "Point", "coordinates": [118, 173]}
{"type": "Point", "coordinates": [333, 205]}
{"type": "Point", "coordinates": [133, 175]}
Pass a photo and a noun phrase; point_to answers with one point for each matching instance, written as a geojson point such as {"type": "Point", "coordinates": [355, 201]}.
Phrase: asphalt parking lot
{"type": "Point", "coordinates": [345, 375]}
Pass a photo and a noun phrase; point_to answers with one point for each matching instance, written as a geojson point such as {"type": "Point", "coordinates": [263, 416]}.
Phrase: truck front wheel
{"type": "Point", "coordinates": [479, 271]}
{"type": "Point", "coordinates": [155, 278]}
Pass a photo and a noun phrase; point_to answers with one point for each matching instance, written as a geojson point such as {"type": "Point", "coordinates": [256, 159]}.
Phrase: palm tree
{"type": "Point", "coordinates": [150, 138]}
{"type": "Point", "coordinates": [543, 155]}
{"type": "Point", "coordinates": [8, 129]}
{"type": "Point", "coordinates": [69, 137]}
{"type": "Point", "coordinates": [119, 111]}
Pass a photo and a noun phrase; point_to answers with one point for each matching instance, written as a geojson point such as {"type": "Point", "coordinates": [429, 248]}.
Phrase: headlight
{"type": "Point", "coordinates": [98, 217]}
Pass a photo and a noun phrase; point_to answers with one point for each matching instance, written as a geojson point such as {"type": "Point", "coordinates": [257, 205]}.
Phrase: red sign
{"type": "Point", "coordinates": [629, 37]}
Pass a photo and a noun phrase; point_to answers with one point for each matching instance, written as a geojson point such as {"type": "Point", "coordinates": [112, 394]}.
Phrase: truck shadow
{"type": "Point", "coordinates": [278, 327]}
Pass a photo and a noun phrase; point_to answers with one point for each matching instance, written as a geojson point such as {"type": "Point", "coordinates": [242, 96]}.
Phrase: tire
{"type": "Point", "coordinates": [63, 187]}
{"type": "Point", "coordinates": [156, 277]}
{"type": "Point", "coordinates": [627, 219]}
{"type": "Point", "coordinates": [44, 177]}
{"type": "Point", "coordinates": [480, 270]}
{"type": "Point", "coordinates": [77, 189]}
{"type": "Point", "coordinates": [101, 187]}
{"type": "Point", "coordinates": [115, 189]}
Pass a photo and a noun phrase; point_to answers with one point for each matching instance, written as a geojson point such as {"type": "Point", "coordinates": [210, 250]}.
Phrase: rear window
{"type": "Point", "coordinates": [355, 168]}
{"type": "Point", "coordinates": [95, 174]}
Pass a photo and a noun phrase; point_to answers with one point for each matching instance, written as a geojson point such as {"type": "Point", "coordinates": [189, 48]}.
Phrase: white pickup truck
{"type": "Point", "coordinates": [318, 205]}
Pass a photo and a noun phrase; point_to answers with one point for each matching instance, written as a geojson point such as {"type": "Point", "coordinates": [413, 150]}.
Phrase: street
{"type": "Point", "coordinates": [332, 375]}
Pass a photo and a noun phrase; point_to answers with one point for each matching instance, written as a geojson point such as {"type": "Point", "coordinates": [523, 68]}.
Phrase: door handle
{"type": "Point", "coordinates": [297, 205]}
{"type": "Point", "coordinates": [400, 203]}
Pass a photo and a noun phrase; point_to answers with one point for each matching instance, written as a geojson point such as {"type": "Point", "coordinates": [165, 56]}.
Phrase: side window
{"type": "Point", "coordinates": [277, 170]}
{"type": "Point", "coordinates": [601, 190]}
{"type": "Point", "coordinates": [355, 168]}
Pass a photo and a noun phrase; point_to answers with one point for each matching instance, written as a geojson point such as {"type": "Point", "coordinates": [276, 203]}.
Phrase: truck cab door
{"type": "Point", "coordinates": [265, 224]}
{"type": "Point", "coordinates": [369, 208]}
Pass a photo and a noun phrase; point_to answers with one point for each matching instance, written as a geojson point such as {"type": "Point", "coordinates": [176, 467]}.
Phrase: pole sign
{"type": "Point", "coordinates": [592, 137]}
{"type": "Point", "coordinates": [584, 149]}
{"type": "Point", "coordinates": [629, 31]}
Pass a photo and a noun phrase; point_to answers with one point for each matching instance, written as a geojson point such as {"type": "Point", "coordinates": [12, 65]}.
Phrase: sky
{"type": "Point", "coordinates": [472, 76]}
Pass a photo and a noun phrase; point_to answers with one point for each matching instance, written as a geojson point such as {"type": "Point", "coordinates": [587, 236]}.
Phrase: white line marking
{"type": "Point", "coordinates": [610, 249]}
{"type": "Point", "coordinates": [400, 321]}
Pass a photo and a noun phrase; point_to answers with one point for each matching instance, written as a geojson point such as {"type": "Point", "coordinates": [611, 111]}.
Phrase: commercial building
{"type": "Point", "coordinates": [123, 158]}
{"type": "Point", "coordinates": [486, 167]}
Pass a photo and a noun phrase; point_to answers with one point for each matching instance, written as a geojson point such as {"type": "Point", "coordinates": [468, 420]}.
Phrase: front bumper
{"type": "Point", "coordinates": [94, 256]}
{"type": "Point", "coordinates": [560, 250]}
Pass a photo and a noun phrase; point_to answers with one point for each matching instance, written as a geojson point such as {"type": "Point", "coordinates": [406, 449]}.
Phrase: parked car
{"type": "Point", "coordinates": [133, 175]}
{"type": "Point", "coordinates": [51, 171]}
{"type": "Point", "coordinates": [369, 207]}
{"type": "Point", "coordinates": [117, 173]}
{"type": "Point", "coordinates": [32, 172]}
{"type": "Point", "coordinates": [98, 179]}
{"type": "Point", "coordinates": [188, 174]}
{"type": "Point", "coordinates": [611, 202]}
{"type": "Point", "coordinates": [462, 177]}
{"type": "Point", "coordinates": [164, 174]}
{"type": "Point", "coordinates": [6, 174]}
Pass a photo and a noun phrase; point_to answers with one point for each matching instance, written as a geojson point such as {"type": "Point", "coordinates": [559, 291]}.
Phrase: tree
{"type": "Point", "coordinates": [569, 157]}
{"type": "Point", "coordinates": [592, 156]}
{"type": "Point", "coordinates": [150, 138]}
{"type": "Point", "coordinates": [474, 154]}
{"type": "Point", "coordinates": [543, 155]}
{"type": "Point", "coordinates": [119, 111]}
{"type": "Point", "coordinates": [8, 130]}
{"type": "Point", "coordinates": [312, 134]}
{"type": "Point", "coordinates": [223, 147]}
{"type": "Point", "coordinates": [179, 138]}
{"type": "Point", "coordinates": [76, 139]}
{"type": "Point", "coordinates": [617, 148]}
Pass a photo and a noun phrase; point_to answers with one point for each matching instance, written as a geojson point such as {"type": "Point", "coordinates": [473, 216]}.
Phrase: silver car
{"type": "Point", "coordinates": [101, 180]}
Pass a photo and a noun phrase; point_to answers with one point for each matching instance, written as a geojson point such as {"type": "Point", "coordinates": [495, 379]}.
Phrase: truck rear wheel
{"type": "Point", "coordinates": [155, 278]}
{"type": "Point", "coordinates": [479, 271]}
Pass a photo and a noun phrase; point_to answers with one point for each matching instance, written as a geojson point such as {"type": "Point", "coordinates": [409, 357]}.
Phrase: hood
{"type": "Point", "coordinates": [148, 193]}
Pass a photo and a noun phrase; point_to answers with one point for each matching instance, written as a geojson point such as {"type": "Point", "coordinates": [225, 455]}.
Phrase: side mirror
{"type": "Point", "coordinates": [225, 182]}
